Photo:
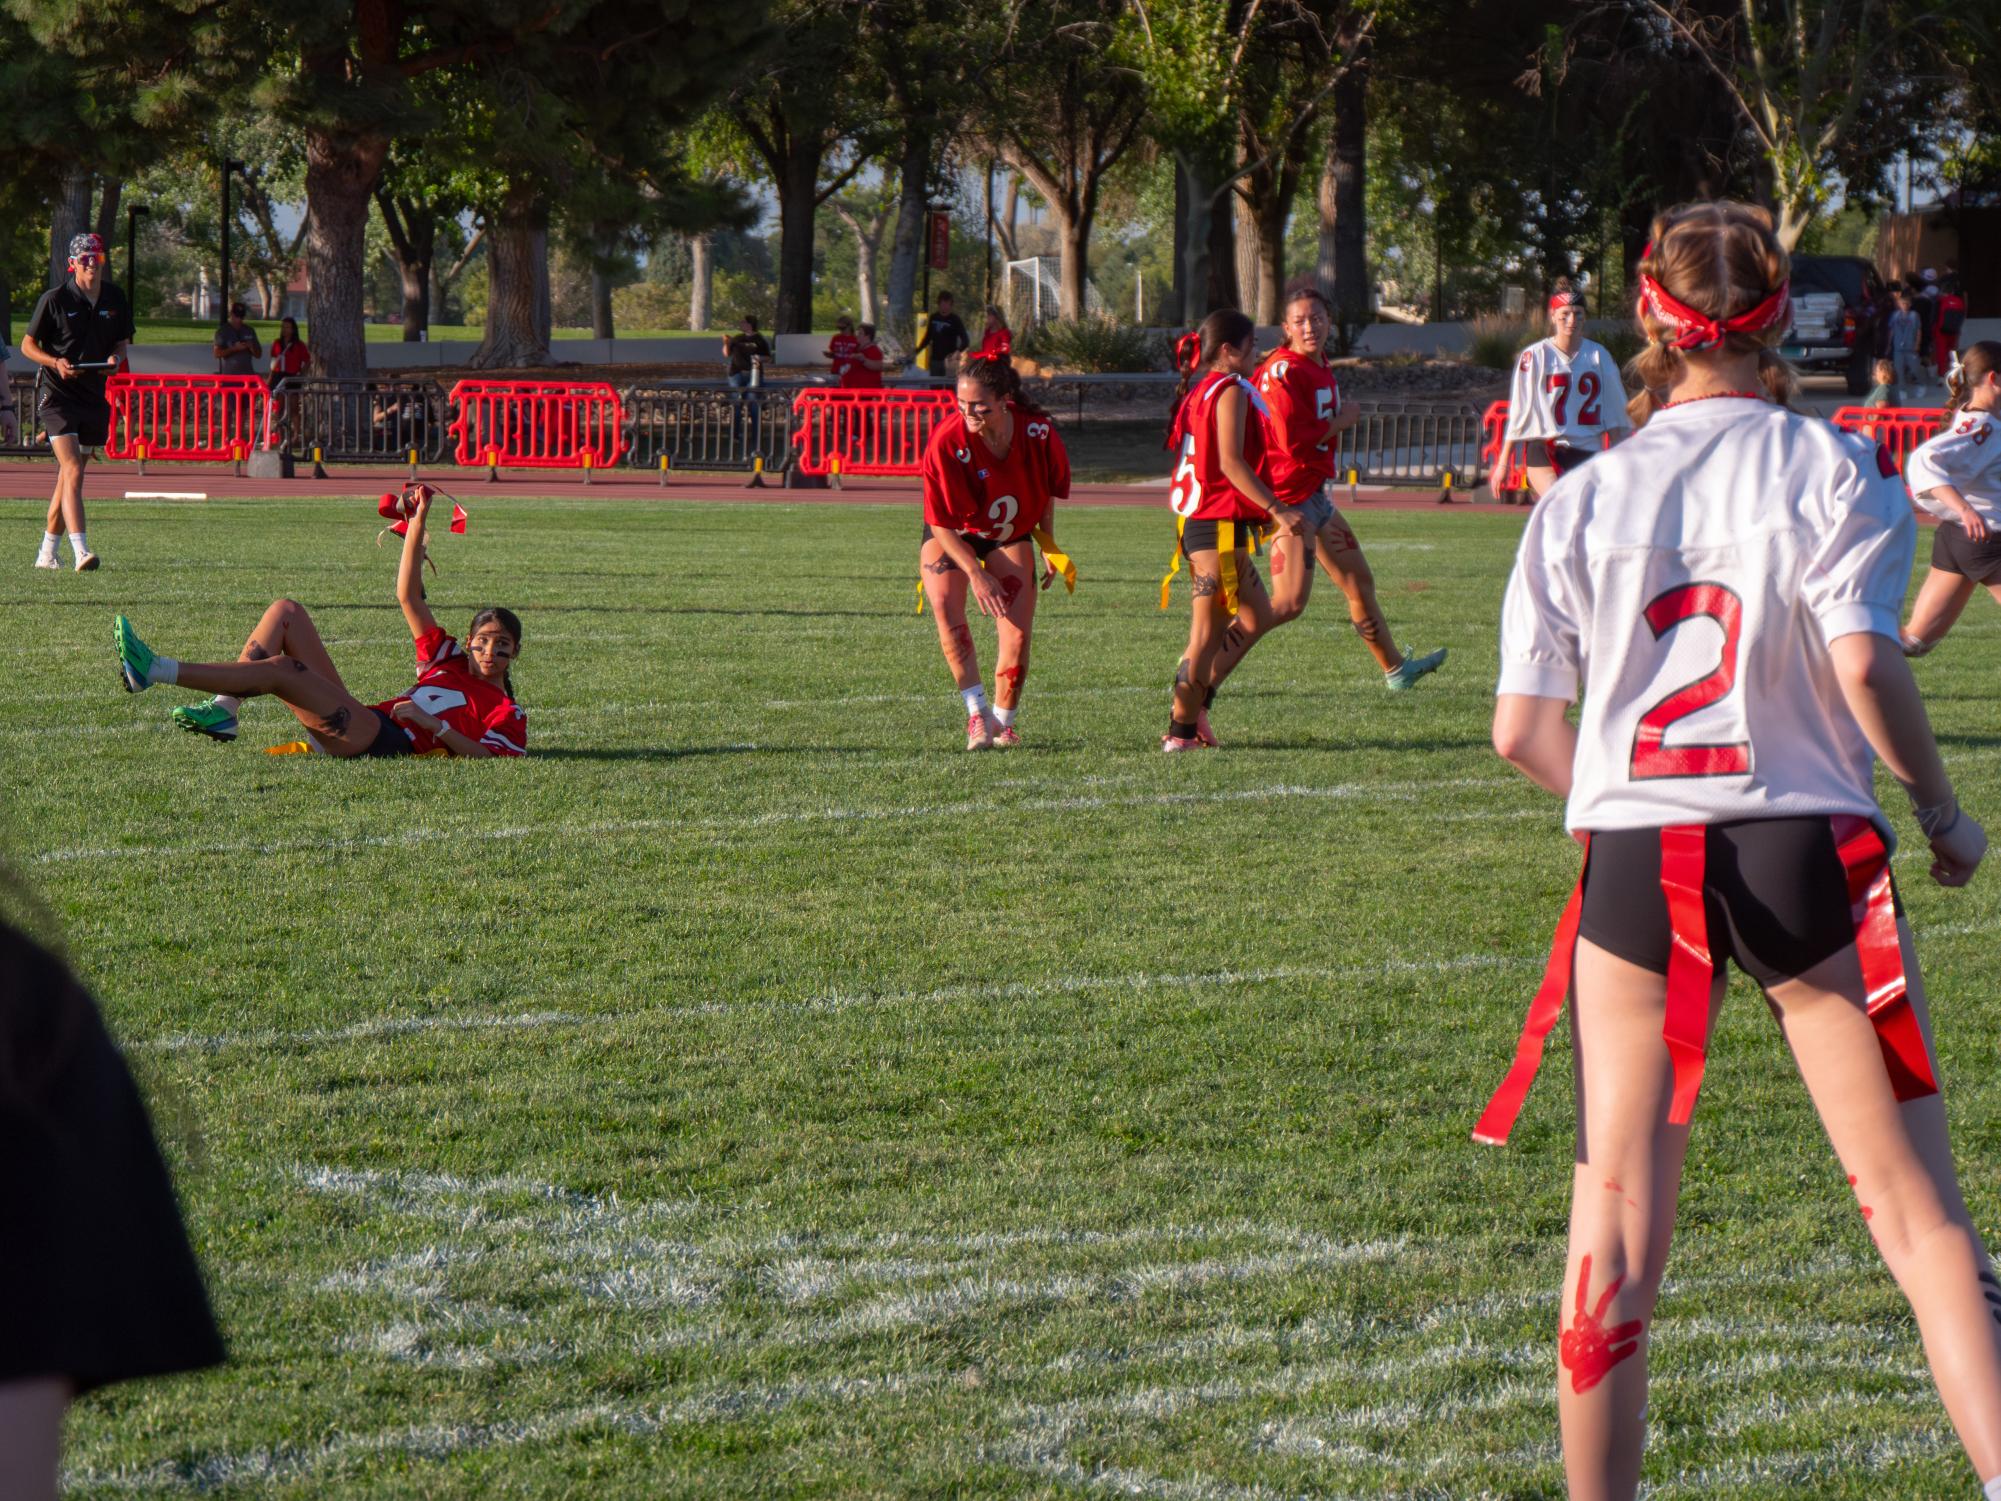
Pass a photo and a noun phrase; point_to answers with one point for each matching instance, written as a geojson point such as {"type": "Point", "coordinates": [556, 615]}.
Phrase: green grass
{"type": "Point", "coordinates": [751, 1094]}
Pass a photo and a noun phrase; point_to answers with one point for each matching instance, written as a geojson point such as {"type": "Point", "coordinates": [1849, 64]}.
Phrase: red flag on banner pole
{"type": "Point", "coordinates": [940, 229]}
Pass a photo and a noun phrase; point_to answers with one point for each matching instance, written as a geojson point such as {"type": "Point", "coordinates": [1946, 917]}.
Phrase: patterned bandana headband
{"type": "Point", "coordinates": [1696, 330]}
{"type": "Point", "coordinates": [86, 244]}
{"type": "Point", "coordinates": [1563, 300]}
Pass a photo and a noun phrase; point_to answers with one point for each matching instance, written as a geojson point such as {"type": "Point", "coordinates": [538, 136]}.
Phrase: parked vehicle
{"type": "Point", "coordinates": [1839, 308]}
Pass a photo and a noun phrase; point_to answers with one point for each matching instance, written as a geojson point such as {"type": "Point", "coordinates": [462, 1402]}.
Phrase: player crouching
{"type": "Point", "coordinates": [1737, 651]}
{"type": "Point", "coordinates": [462, 703]}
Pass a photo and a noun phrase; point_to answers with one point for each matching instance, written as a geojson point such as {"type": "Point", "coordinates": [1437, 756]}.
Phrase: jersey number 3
{"type": "Point", "coordinates": [1652, 758]}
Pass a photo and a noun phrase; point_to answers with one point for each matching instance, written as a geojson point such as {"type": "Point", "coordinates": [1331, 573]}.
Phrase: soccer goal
{"type": "Point", "coordinates": [1028, 287]}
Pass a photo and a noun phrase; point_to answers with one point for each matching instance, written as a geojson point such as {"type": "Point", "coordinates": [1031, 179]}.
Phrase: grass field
{"type": "Point", "coordinates": [752, 1094]}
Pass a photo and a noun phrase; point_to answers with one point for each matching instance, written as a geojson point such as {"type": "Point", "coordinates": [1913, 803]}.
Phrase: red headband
{"type": "Point", "coordinates": [1187, 351]}
{"type": "Point", "coordinates": [1564, 299]}
{"type": "Point", "coordinates": [1696, 330]}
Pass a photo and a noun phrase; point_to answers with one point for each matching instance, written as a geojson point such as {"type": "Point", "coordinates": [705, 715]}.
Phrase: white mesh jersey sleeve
{"type": "Point", "coordinates": [1966, 455]}
{"type": "Point", "coordinates": [1613, 388]}
{"type": "Point", "coordinates": [1859, 564]}
{"type": "Point", "coordinates": [1542, 614]}
{"type": "Point", "coordinates": [1526, 419]}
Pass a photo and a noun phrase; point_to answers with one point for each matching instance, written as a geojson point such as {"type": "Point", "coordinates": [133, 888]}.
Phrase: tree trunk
{"type": "Point", "coordinates": [71, 218]}
{"type": "Point", "coordinates": [1173, 310]}
{"type": "Point", "coordinates": [517, 301]}
{"type": "Point", "coordinates": [416, 278]}
{"type": "Point", "coordinates": [601, 321]}
{"type": "Point", "coordinates": [1250, 257]}
{"type": "Point", "coordinates": [1073, 262]}
{"type": "Point", "coordinates": [1344, 248]}
{"type": "Point", "coordinates": [341, 173]}
{"type": "Point", "coordinates": [1193, 271]}
{"type": "Point", "coordinates": [701, 283]}
{"type": "Point", "coordinates": [798, 205]}
{"type": "Point", "coordinates": [1222, 289]}
{"type": "Point", "coordinates": [107, 211]}
{"type": "Point", "coordinates": [907, 248]}
{"type": "Point", "coordinates": [865, 254]}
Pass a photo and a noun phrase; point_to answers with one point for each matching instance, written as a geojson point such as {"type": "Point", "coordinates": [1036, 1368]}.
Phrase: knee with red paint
{"type": "Point", "coordinates": [1595, 1339]}
{"type": "Point", "coordinates": [1007, 684]}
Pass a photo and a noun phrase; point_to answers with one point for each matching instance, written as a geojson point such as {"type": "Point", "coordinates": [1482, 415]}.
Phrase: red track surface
{"type": "Point", "coordinates": [111, 481]}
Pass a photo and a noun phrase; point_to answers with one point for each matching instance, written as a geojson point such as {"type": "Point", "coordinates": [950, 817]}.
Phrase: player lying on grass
{"type": "Point", "coordinates": [993, 472]}
{"type": "Point", "coordinates": [1298, 386]}
{"type": "Point", "coordinates": [1957, 477]}
{"type": "Point", "coordinates": [1737, 649]}
{"type": "Point", "coordinates": [462, 703]}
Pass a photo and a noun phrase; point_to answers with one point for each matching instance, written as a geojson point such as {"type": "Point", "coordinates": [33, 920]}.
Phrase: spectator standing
{"type": "Point", "coordinates": [746, 351]}
{"type": "Point", "coordinates": [1926, 307]}
{"type": "Point", "coordinates": [945, 335]}
{"type": "Point", "coordinates": [237, 348]}
{"type": "Point", "coordinates": [10, 416]}
{"type": "Point", "coordinates": [842, 350]}
{"type": "Point", "coordinates": [865, 373]}
{"type": "Point", "coordinates": [997, 342]}
{"type": "Point", "coordinates": [76, 333]}
{"type": "Point", "coordinates": [1904, 332]}
{"type": "Point", "coordinates": [1951, 320]}
{"type": "Point", "coordinates": [289, 354]}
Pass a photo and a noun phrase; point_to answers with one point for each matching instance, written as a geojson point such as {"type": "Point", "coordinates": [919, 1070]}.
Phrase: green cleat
{"type": "Point", "coordinates": [135, 658]}
{"type": "Point", "coordinates": [209, 719]}
{"type": "Point", "coordinates": [1404, 678]}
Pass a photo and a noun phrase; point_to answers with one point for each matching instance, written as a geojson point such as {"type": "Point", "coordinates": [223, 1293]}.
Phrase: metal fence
{"type": "Point", "coordinates": [709, 426]}
{"type": "Point", "coordinates": [21, 387]}
{"type": "Point", "coordinates": [377, 420]}
{"type": "Point", "coordinates": [1413, 443]}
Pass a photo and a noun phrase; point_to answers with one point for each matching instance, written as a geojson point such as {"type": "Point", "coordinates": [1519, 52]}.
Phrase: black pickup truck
{"type": "Point", "coordinates": [1839, 309]}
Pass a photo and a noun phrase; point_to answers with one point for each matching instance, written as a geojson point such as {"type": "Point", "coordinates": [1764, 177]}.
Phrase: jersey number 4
{"type": "Point", "coordinates": [1651, 757]}
{"type": "Point", "coordinates": [435, 701]}
{"type": "Point", "coordinates": [1587, 396]}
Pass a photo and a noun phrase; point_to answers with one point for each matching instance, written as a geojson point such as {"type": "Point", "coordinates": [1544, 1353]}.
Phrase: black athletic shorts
{"type": "Point", "coordinates": [1775, 897]}
{"type": "Point", "coordinates": [1955, 552]}
{"type": "Point", "coordinates": [983, 547]}
{"type": "Point", "coordinates": [1547, 453]}
{"type": "Point", "coordinates": [88, 422]}
{"type": "Point", "coordinates": [391, 739]}
{"type": "Point", "coordinates": [1200, 536]}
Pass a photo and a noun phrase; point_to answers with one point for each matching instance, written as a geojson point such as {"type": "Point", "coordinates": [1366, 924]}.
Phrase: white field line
{"type": "Point", "coordinates": [830, 1004]}
{"type": "Point", "coordinates": [776, 818]}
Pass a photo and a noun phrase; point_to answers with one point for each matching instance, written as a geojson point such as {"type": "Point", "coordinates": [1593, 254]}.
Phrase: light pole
{"type": "Point", "coordinates": [228, 166]}
{"type": "Point", "coordinates": [132, 254]}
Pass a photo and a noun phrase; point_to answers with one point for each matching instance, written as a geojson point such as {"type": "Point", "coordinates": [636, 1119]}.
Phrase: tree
{"type": "Point", "coordinates": [866, 212]}
{"type": "Point", "coordinates": [1061, 109]}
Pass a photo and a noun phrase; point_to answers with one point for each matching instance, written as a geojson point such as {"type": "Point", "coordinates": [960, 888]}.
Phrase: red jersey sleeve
{"type": "Point", "coordinates": [1056, 465]}
{"type": "Point", "coordinates": [434, 646]}
{"type": "Point", "coordinates": [949, 501]}
{"type": "Point", "coordinates": [505, 731]}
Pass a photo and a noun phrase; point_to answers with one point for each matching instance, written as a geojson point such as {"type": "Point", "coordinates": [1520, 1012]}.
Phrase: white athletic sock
{"type": "Point", "coordinates": [1992, 1490]}
{"type": "Point", "coordinates": [50, 542]}
{"type": "Point", "coordinates": [164, 670]}
{"type": "Point", "coordinates": [975, 697]}
{"type": "Point", "coordinates": [1004, 717]}
{"type": "Point", "coordinates": [228, 702]}
{"type": "Point", "coordinates": [77, 545]}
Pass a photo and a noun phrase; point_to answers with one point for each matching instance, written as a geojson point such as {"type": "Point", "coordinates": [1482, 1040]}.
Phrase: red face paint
{"type": "Point", "coordinates": [1588, 1349]}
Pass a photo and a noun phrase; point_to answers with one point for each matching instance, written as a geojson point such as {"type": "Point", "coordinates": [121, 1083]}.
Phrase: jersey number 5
{"type": "Point", "coordinates": [1185, 494]}
{"type": "Point", "coordinates": [1652, 758]}
{"type": "Point", "coordinates": [1587, 396]}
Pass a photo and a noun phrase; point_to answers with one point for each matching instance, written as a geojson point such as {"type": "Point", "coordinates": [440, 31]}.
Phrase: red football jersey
{"type": "Point", "coordinates": [1303, 397]}
{"type": "Point", "coordinates": [859, 376]}
{"type": "Point", "coordinates": [967, 489]}
{"type": "Point", "coordinates": [997, 343]}
{"type": "Point", "coordinates": [1201, 491]}
{"type": "Point", "coordinates": [841, 350]}
{"type": "Point", "coordinates": [448, 688]}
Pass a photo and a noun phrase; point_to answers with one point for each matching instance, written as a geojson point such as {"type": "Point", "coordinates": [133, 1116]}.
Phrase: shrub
{"type": "Point", "coordinates": [1621, 340]}
{"type": "Point", "coordinates": [1493, 340]}
{"type": "Point", "coordinates": [1094, 345]}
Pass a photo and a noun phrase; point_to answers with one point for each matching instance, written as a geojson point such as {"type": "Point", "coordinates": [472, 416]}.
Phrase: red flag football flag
{"type": "Point", "coordinates": [458, 517]}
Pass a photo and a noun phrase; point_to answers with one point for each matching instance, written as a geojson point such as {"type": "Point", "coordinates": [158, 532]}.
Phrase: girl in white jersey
{"type": "Point", "coordinates": [1566, 396]}
{"type": "Point", "coordinates": [1957, 477]}
{"type": "Point", "coordinates": [1737, 647]}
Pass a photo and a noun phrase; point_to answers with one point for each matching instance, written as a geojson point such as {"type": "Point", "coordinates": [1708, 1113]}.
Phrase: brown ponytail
{"type": "Point", "coordinates": [1224, 326]}
{"type": "Point", "coordinates": [1721, 259]}
{"type": "Point", "coordinates": [1976, 363]}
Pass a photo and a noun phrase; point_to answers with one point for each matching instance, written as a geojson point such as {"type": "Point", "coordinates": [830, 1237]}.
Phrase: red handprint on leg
{"type": "Point", "coordinates": [1588, 1349]}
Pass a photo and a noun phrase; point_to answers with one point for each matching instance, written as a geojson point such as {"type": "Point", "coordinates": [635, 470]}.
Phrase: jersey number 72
{"type": "Point", "coordinates": [1652, 758]}
{"type": "Point", "coordinates": [1587, 395]}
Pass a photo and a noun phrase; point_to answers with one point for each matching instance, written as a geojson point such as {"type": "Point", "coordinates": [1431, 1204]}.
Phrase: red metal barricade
{"type": "Point", "coordinates": [870, 432]}
{"type": "Point", "coordinates": [1899, 429]}
{"type": "Point", "coordinates": [537, 424]}
{"type": "Point", "coordinates": [198, 418]}
{"type": "Point", "coordinates": [1493, 424]}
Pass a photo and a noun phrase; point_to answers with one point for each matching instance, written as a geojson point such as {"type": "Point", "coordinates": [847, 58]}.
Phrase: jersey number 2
{"type": "Point", "coordinates": [1652, 758]}
{"type": "Point", "coordinates": [1587, 396]}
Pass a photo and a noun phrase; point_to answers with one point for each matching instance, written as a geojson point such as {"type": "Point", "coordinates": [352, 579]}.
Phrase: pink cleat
{"type": "Point", "coordinates": [979, 735]}
{"type": "Point", "coordinates": [1202, 731]}
{"type": "Point", "coordinates": [1173, 743]}
{"type": "Point", "coordinates": [1006, 738]}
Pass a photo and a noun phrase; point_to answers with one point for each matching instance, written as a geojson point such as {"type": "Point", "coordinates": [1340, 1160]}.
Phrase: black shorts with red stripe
{"type": "Point", "coordinates": [1775, 896]}
{"type": "Point", "coordinates": [1547, 453]}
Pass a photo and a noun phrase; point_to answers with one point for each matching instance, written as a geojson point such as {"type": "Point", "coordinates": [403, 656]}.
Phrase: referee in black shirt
{"type": "Point", "coordinates": [84, 322]}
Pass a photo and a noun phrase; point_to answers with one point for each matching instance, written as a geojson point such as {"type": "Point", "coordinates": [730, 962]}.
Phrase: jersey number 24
{"type": "Point", "coordinates": [1653, 758]}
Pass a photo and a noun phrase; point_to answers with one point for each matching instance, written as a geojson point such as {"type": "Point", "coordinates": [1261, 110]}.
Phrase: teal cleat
{"type": "Point", "coordinates": [1404, 678]}
{"type": "Point", "coordinates": [209, 719]}
{"type": "Point", "coordinates": [135, 658]}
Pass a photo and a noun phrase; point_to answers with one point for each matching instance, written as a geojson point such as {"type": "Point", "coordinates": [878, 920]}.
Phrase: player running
{"type": "Point", "coordinates": [1225, 506]}
{"type": "Point", "coordinates": [993, 472]}
{"type": "Point", "coordinates": [78, 332]}
{"type": "Point", "coordinates": [1566, 396]}
{"type": "Point", "coordinates": [1737, 648]}
{"type": "Point", "coordinates": [462, 703]}
{"type": "Point", "coordinates": [1298, 386]}
{"type": "Point", "coordinates": [1957, 477]}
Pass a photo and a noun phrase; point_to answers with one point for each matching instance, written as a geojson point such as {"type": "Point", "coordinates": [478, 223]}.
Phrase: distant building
{"type": "Point", "coordinates": [1961, 229]}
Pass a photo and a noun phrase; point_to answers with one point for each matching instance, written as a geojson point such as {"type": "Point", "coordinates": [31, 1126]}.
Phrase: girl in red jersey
{"type": "Point", "coordinates": [997, 341]}
{"type": "Point", "coordinates": [993, 472]}
{"type": "Point", "coordinates": [1737, 651]}
{"type": "Point", "coordinates": [1297, 383]}
{"type": "Point", "coordinates": [1220, 493]}
{"type": "Point", "coordinates": [462, 703]}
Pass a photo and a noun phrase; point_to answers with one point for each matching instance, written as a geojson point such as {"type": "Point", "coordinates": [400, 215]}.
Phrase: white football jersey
{"type": "Point", "coordinates": [1966, 454]}
{"type": "Point", "coordinates": [1571, 399]}
{"type": "Point", "coordinates": [1689, 582]}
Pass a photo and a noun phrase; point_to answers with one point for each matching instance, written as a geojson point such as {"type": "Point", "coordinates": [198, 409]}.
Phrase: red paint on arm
{"type": "Point", "coordinates": [1588, 1350]}
{"type": "Point", "coordinates": [1867, 1212]}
